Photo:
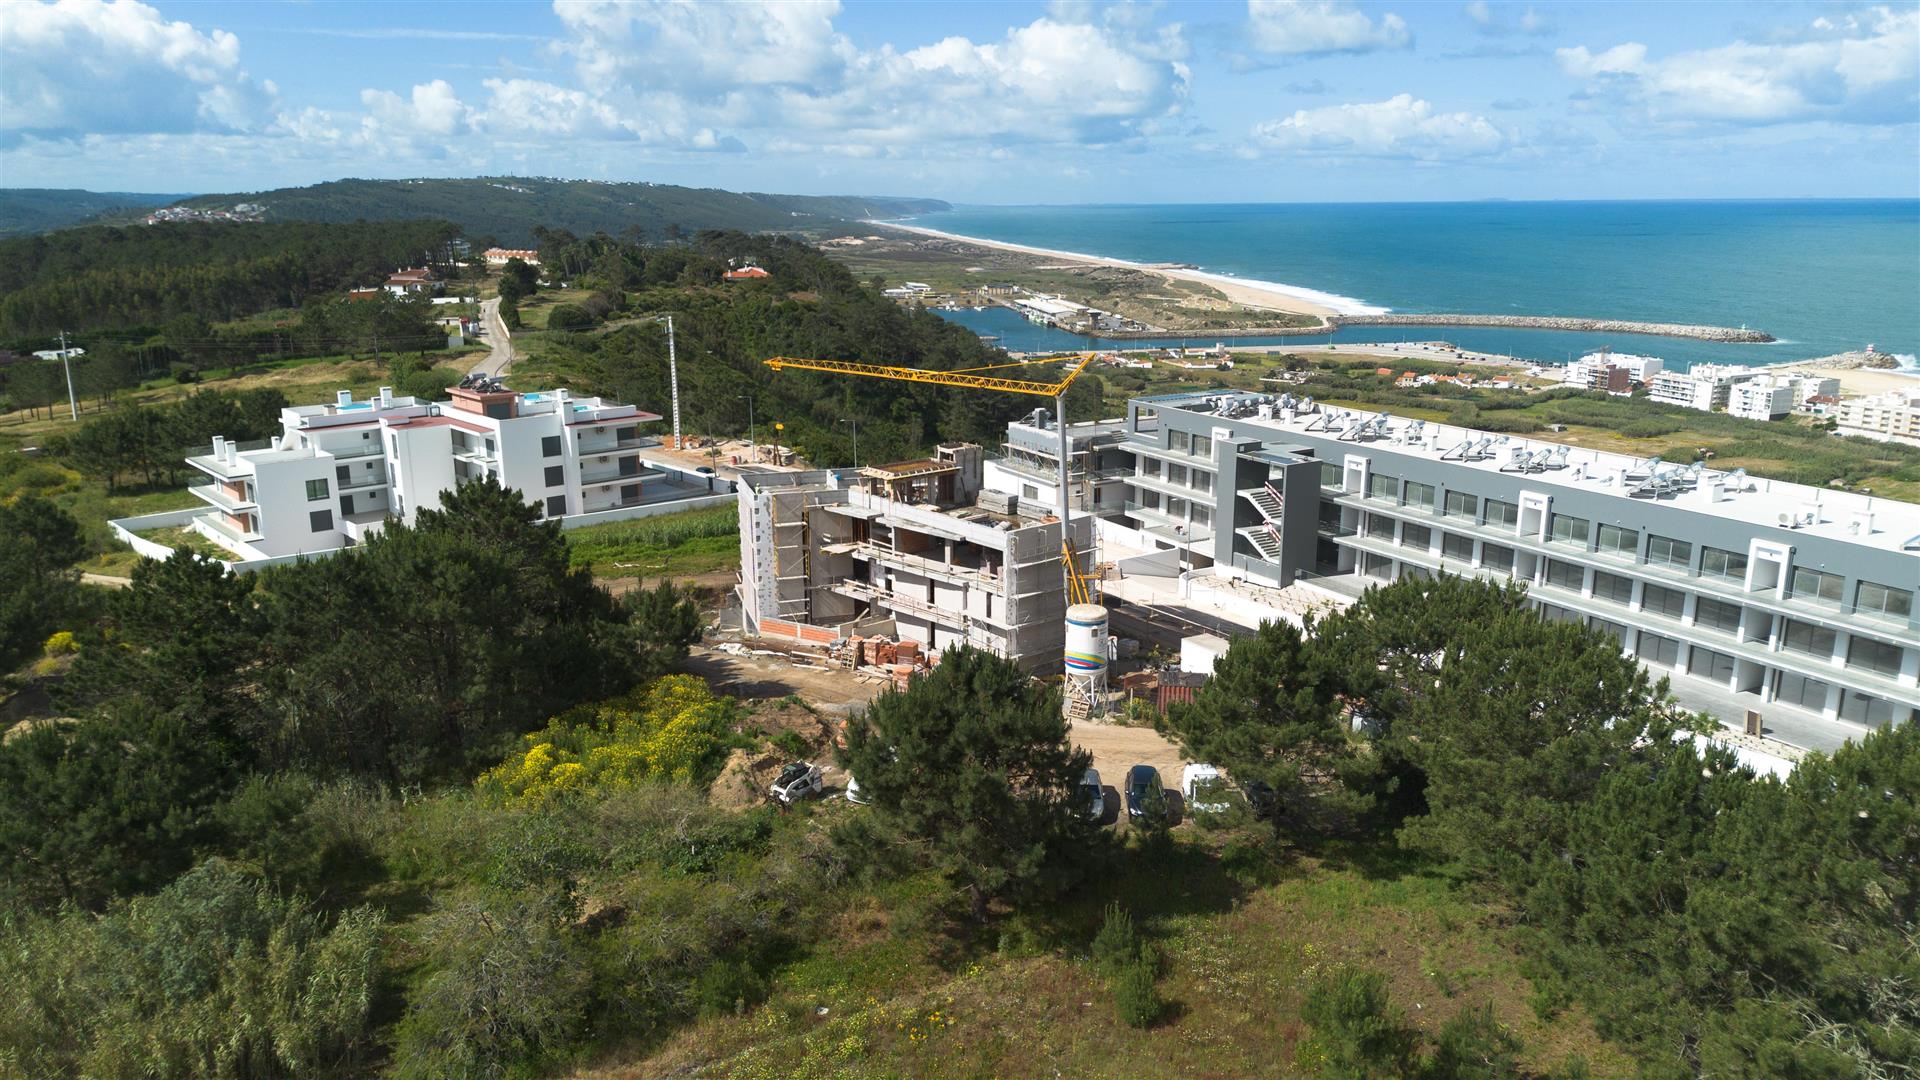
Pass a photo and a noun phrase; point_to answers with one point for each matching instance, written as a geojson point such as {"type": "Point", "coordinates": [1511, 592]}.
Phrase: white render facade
{"type": "Point", "coordinates": [1894, 415]}
{"type": "Point", "coordinates": [1748, 593]}
{"type": "Point", "coordinates": [336, 473]}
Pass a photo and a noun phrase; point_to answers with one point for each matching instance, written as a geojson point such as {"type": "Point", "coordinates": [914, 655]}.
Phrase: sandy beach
{"type": "Point", "coordinates": [1264, 295]}
{"type": "Point", "coordinates": [1855, 381]}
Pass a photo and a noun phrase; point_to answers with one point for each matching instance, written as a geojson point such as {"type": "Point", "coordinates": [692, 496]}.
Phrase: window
{"type": "Point", "coordinates": [550, 446]}
{"type": "Point", "coordinates": [1177, 474]}
{"type": "Point", "coordinates": [317, 490]}
{"type": "Point", "coordinates": [1556, 613]}
{"type": "Point", "coordinates": [1028, 491]}
{"type": "Point", "coordinates": [556, 506]}
{"type": "Point", "coordinates": [1666, 551]}
{"type": "Point", "coordinates": [320, 520]}
{"type": "Point", "coordinates": [1179, 440]}
{"type": "Point", "coordinates": [1202, 516]}
{"type": "Point", "coordinates": [1330, 515]}
{"type": "Point", "coordinates": [1807, 638]}
{"type": "Point", "coordinates": [1612, 587]}
{"type": "Point", "coordinates": [1566, 575]}
{"type": "Point", "coordinates": [1416, 536]}
{"type": "Point", "coordinates": [1502, 513]}
{"type": "Point", "coordinates": [1202, 480]}
{"type": "Point", "coordinates": [1417, 573]}
{"type": "Point", "coordinates": [1202, 446]}
{"type": "Point", "coordinates": [1730, 565]}
{"type": "Point", "coordinates": [1380, 486]}
{"type": "Point", "coordinates": [1800, 690]}
{"type": "Point", "coordinates": [1569, 530]}
{"type": "Point", "coordinates": [489, 447]}
{"type": "Point", "coordinates": [1330, 477]}
{"type": "Point", "coordinates": [1496, 558]}
{"type": "Point", "coordinates": [1456, 547]}
{"type": "Point", "coordinates": [1656, 649]}
{"type": "Point", "coordinates": [556, 476]}
{"type": "Point", "coordinates": [1380, 526]}
{"type": "Point", "coordinates": [1717, 615]}
{"type": "Point", "coordinates": [1872, 655]}
{"type": "Point", "coordinates": [1419, 494]}
{"type": "Point", "coordinates": [1865, 709]}
{"type": "Point", "coordinates": [1459, 502]}
{"type": "Point", "coordinates": [1709, 664]}
{"type": "Point", "coordinates": [1873, 598]}
{"type": "Point", "coordinates": [1664, 601]}
{"type": "Point", "coordinates": [1608, 626]}
{"type": "Point", "coordinates": [1817, 586]}
{"type": "Point", "coordinates": [1150, 466]}
{"type": "Point", "coordinates": [626, 434]}
{"type": "Point", "coordinates": [1376, 566]}
{"type": "Point", "coordinates": [1615, 540]}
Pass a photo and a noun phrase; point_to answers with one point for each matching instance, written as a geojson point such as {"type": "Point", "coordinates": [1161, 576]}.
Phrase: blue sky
{"type": "Point", "coordinates": [979, 102]}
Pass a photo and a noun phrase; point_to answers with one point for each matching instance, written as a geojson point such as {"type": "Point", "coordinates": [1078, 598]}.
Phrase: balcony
{"type": "Point", "coordinates": [215, 492]}
{"type": "Point", "coordinates": [363, 482]}
{"type": "Point", "coordinates": [626, 468]}
{"type": "Point", "coordinates": [219, 524]}
{"type": "Point", "coordinates": [347, 451]}
{"type": "Point", "coordinates": [478, 455]}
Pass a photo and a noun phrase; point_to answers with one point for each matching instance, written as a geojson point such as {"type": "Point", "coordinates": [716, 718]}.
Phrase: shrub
{"type": "Point", "coordinates": [569, 317]}
{"type": "Point", "coordinates": [214, 976]}
{"type": "Point", "coordinates": [1473, 1046]}
{"type": "Point", "coordinates": [62, 644]}
{"type": "Point", "coordinates": [670, 730]}
{"type": "Point", "coordinates": [1135, 997]}
{"type": "Point", "coordinates": [1117, 944]}
{"type": "Point", "coordinates": [1355, 1032]}
{"type": "Point", "coordinates": [790, 743]}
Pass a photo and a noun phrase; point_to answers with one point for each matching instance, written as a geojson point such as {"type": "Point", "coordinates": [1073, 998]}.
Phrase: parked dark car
{"type": "Point", "coordinates": [1145, 796]}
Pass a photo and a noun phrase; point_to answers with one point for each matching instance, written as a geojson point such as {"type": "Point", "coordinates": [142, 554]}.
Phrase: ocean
{"type": "Point", "coordinates": [1822, 276]}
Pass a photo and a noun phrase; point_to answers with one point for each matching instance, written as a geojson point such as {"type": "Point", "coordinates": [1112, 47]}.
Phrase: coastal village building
{"type": "Point", "coordinates": [1028, 465]}
{"type": "Point", "coordinates": [416, 281]}
{"type": "Point", "coordinates": [1704, 386]}
{"type": "Point", "coordinates": [1761, 399]}
{"type": "Point", "coordinates": [501, 256]}
{"type": "Point", "coordinates": [338, 472]}
{"type": "Point", "coordinates": [915, 549]}
{"type": "Point", "coordinates": [1893, 416]}
{"type": "Point", "coordinates": [746, 273]}
{"type": "Point", "coordinates": [1747, 593]}
{"type": "Point", "coordinates": [1616, 373]}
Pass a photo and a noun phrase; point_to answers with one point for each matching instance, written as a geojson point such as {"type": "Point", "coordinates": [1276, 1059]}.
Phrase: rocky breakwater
{"type": "Point", "coordinates": [1554, 322]}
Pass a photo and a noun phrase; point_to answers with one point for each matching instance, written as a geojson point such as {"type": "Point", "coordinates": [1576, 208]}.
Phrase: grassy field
{"type": "Point", "coordinates": [881, 996]}
{"type": "Point", "coordinates": [690, 542]}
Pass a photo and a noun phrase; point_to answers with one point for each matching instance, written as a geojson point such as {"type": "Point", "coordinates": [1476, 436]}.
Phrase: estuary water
{"type": "Point", "coordinates": [1823, 276]}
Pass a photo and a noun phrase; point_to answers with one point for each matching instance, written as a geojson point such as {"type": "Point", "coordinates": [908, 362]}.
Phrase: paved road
{"type": "Point", "coordinates": [498, 338]}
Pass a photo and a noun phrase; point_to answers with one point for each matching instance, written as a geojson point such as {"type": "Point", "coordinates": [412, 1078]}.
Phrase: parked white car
{"type": "Point", "coordinates": [1205, 790]}
{"type": "Point", "coordinates": [1095, 795]}
{"type": "Point", "coordinates": [800, 780]}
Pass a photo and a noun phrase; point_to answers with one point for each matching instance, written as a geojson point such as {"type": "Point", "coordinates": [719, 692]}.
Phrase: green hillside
{"type": "Point", "coordinates": [506, 209]}
{"type": "Point", "coordinates": [25, 211]}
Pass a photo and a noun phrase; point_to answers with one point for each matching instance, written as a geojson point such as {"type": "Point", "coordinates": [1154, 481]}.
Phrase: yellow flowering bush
{"type": "Point", "coordinates": [671, 729]}
{"type": "Point", "coordinates": [62, 644]}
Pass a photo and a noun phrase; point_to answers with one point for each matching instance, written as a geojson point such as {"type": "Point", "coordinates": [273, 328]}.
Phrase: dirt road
{"type": "Point", "coordinates": [1116, 749]}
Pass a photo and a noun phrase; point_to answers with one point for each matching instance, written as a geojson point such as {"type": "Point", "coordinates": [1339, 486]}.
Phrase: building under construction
{"type": "Point", "coordinates": [827, 554]}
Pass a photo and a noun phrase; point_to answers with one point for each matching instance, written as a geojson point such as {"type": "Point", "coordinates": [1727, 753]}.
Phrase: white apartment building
{"type": "Point", "coordinates": [1704, 386]}
{"type": "Point", "coordinates": [1893, 416]}
{"type": "Point", "coordinates": [336, 473]}
{"type": "Point", "coordinates": [1763, 398]}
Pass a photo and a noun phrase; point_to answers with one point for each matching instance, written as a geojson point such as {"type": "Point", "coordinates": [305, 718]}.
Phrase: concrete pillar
{"type": "Point", "coordinates": [1831, 710]}
{"type": "Point", "coordinates": [1691, 610]}
{"type": "Point", "coordinates": [1840, 644]}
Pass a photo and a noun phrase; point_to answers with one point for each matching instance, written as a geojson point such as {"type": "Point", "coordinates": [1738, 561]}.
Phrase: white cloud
{"type": "Point", "coordinates": [1318, 27]}
{"type": "Point", "coordinates": [780, 73]}
{"type": "Point", "coordinates": [1399, 127]}
{"type": "Point", "coordinates": [83, 66]}
{"type": "Point", "coordinates": [1493, 22]}
{"type": "Point", "coordinates": [433, 109]}
{"type": "Point", "coordinates": [1862, 68]}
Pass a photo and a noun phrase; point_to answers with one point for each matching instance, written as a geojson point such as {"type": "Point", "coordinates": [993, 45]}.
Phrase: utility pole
{"type": "Point", "coordinates": [66, 361]}
{"type": "Point", "coordinates": [673, 381]}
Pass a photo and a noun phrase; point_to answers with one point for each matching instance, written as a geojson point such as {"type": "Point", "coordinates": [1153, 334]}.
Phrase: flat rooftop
{"type": "Point", "coordinates": [1837, 515]}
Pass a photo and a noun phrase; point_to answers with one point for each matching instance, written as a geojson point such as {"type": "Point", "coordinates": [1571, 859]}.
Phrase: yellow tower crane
{"type": "Point", "coordinates": [973, 379]}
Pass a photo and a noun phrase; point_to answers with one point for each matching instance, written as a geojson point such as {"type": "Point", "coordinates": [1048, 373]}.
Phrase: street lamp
{"type": "Point", "coordinates": [855, 421]}
{"type": "Point", "coordinates": [753, 447]}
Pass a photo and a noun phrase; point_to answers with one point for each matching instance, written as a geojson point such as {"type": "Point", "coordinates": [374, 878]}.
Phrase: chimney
{"type": "Point", "coordinates": [386, 397]}
{"type": "Point", "coordinates": [233, 453]}
{"type": "Point", "coordinates": [219, 447]}
{"type": "Point", "coordinates": [342, 398]}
